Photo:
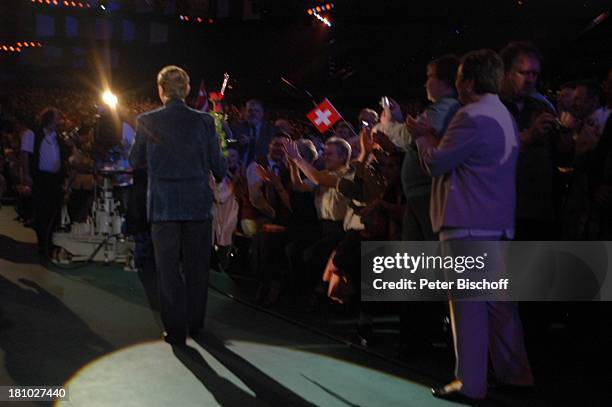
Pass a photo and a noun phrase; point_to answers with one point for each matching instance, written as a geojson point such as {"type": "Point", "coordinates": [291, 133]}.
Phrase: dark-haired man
{"type": "Point", "coordinates": [440, 87]}
{"type": "Point", "coordinates": [47, 169]}
{"type": "Point", "coordinates": [541, 147]}
{"type": "Point", "coordinates": [255, 133]}
{"type": "Point", "coordinates": [421, 322]}
{"type": "Point", "coordinates": [268, 192]}
{"type": "Point", "coordinates": [591, 189]}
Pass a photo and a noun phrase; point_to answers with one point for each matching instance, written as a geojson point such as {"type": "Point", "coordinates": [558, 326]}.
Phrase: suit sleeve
{"type": "Point", "coordinates": [398, 133]}
{"type": "Point", "coordinates": [138, 152]}
{"type": "Point", "coordinates": [218, 166]}
{"type": "Point", "coordinates": [457, 144]}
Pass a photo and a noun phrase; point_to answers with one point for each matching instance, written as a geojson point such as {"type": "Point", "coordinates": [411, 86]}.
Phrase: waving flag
{"type": "Point", "coordinates": [324, 116]}
{"type": "Point", "coordinates": [202, 101]}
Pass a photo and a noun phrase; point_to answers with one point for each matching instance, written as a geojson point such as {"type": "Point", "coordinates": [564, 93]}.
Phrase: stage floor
{"type": "Point", "coordinates": [94, 331]}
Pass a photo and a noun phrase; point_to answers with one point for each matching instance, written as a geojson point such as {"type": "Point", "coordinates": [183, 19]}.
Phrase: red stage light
{"type": "Point", "coordinates": [318, 9]}
{"type": "Point", "coordinates": [199, 19]}
{"type": "Point", "coordinates": [19, 44]}
{"type": "Point", "coordinates": [328, 6]}
{"type": "Point", "coordinates": [210, 21]}
{"type": "Point", "coordinates": [186, 18]}
{"type": "Point", "coordinates": [25, 44]}
{"type": "Point", "coordinates": [309, 12]}
{"type": "Point", "coordinates": [18, 49]}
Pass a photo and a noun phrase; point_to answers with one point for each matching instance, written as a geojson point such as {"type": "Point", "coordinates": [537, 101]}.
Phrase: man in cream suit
{"type": "Point", "coordinates": [473, 167]}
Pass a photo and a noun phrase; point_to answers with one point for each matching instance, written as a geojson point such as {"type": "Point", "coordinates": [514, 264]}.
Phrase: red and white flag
{"type": "Point", "coordinates": [202, 101]}
{"type": "Point", "coordinates": [324, 116]}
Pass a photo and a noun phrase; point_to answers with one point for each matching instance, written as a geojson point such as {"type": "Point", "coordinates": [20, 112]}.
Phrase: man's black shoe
{"type": "Point", "coordinates": [173, 339]}
{"type": "Point", "coordinates": [196, 333]}
{"type": "Point", "coordinates": [452, 392]}
{"type": "Point", "coordinates": [365, 334]}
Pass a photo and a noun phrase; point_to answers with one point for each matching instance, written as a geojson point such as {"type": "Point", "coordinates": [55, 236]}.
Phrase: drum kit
{"type": "Point", "coordinates": [100, 238]}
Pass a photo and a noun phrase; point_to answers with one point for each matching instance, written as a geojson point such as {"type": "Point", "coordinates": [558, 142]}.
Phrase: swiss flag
{"type": "Point", "coordinates": [202, 100]}
{"type": "Point", "coordinates": [324, 116]}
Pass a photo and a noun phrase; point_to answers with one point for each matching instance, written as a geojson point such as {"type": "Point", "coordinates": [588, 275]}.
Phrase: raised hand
{"type": "Point", "coordinates": [291, 150]}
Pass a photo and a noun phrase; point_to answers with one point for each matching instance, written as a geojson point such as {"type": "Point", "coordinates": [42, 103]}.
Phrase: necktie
{"type": "Point", "coordinates": [252, 139]}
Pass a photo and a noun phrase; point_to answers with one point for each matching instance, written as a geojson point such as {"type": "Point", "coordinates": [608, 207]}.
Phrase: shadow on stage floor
{"type": "Point", "coordinates": [18, 252]}
{"type": "Point", "coordinates": [267, 390]}
{"type": "Point", "coordinates": [43, 340]}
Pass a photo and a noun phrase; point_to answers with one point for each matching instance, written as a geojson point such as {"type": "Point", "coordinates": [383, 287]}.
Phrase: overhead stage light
{"type": "Point", "coordinates": [110, 99]}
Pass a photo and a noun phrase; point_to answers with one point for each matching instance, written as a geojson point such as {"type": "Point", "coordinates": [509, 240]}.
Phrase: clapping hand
{"type": "Point", "coordinates": [383, 141]}
{"type": "Point", "coordinates": [365, 140]}
{"type": "Point", "coordinates": [420, 128]}
{"type": "Point", "coordinates": [393, 113]}
{"type": "Point", "coordinates": [263, 173]}
{"type": "Point", "coordinates": [291, 150]}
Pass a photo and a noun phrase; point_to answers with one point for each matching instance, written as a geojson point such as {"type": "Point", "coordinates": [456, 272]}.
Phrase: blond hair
{"type": "Point", "coordinates": [174, 81]}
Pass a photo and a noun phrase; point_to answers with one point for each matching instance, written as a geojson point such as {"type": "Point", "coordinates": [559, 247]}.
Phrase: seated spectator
{"type": "Point", "coordinates": [363, 185]}
{"type": "Point", "coordinates": [268, 185]}
{"type": "Point", "coordinates": [330, 204]}
{"type": "Point", "coordinates": [304, 227]}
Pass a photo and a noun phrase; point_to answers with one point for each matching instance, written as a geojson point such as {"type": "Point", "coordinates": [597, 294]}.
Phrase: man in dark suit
{"type": "Point", "coordinates": [179, 148]}
{"type": "Point", "coordinates": [45, 157]}
{"type": "Point", "coordinates": [255, 134]}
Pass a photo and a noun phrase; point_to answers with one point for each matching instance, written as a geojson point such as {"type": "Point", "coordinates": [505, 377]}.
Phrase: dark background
{"type": "Point", "coordinates": [372, 48]}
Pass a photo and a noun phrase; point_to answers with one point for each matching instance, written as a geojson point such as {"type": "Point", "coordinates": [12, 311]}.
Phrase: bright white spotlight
{"type": "Point", "coordinates": [110, 99]}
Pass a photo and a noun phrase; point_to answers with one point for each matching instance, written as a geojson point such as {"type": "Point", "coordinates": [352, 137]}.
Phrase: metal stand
{"type": "Point", "coordinates": [100, 239]}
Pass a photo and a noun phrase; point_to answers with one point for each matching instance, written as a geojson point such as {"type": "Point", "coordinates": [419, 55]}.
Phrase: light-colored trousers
{"type": "Point", "coordinates": [487, 329]}
{"type": "Point", "coordinates": [483, 329]}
